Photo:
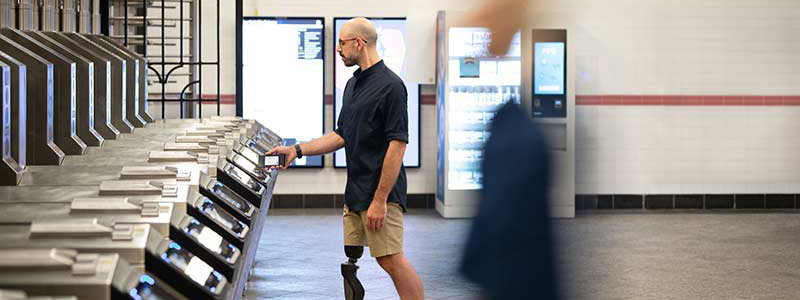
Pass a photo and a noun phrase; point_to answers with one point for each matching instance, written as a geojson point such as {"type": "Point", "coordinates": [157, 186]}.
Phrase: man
{"type": "Point", "coordinates": [373, 129]}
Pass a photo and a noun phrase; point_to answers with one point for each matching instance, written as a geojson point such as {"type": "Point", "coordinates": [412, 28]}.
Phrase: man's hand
{"type": "Point", "coordinates": [290, 153]}
{"type": "Point", "coordinates": [376, 214]}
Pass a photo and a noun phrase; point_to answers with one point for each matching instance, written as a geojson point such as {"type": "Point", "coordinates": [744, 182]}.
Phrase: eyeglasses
{"type": "Point", "coordinates": [343, 42]}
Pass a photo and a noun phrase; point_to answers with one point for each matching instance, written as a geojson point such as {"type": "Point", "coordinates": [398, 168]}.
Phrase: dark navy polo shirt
{"type": "Point", "coordinates": [374, 112]}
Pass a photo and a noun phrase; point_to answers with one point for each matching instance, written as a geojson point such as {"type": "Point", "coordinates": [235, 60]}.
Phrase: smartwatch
{"type": "Point", "coordinates": [298, 151]}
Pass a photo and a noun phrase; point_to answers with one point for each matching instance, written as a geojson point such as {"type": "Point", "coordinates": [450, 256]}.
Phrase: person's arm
{"type": "Point", "coordinates": [395, 115]}
{"type": "Point", "coordinates": [322, 145]}
{"type": "Point", "coordinates": [503, 18]}
{"type": "Point", "coordinates": [391, 169]}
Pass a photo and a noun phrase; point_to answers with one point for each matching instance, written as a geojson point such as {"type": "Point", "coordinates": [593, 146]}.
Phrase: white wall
{"type": "Point", "coordinates": [710, 47]}
{"type": "Point", "coordinates": [623, 47]}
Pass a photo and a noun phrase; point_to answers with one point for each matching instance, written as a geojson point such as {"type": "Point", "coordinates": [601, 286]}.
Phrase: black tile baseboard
{"type": "Point", "coordinates": [659, 201]}
{"type": "Point", "coordinates": [628, 201]}
{"type": "Point", "coordinates": [679, 201]}
{"type": "Point", "coordinates": [310, 201]}
{"type": "Point", "coordinates": [781, 201]}
{"type": "Point", "coordinates": [750, 201]}
{"type": "Point", "coordinates": [689, 202]}
{"type": "Point", "coordinates": [605, 202]}
{"type": "Point", "coordinates": [720, 201]}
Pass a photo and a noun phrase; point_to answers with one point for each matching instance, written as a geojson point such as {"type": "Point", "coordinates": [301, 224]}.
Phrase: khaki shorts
{"type": "Point", "coordinates": [387, 241]}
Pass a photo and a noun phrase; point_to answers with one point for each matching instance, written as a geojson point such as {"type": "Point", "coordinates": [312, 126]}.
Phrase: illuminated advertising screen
{"type": "Point", "coordinates": [480, 84]}
{"type": "Point", "coordinates": [283, 73]}
{"type": "Point", "coordinates": [393, 49]}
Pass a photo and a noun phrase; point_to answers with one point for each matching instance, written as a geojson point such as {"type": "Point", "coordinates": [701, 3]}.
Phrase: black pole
{"type": "Point", "coordinates": [218, 71]}
{"type": "Point", "coordinates": [163, 54]}
{"type": "Point", "coordinates": [16, 18]}
{"type": "Point", "coordinates": [239, 8]}
{"type": "Point", "coordinates": [104, 16]}
{"type": "Point", "coordinates": [40, 4]}
{"type": "Point", "coordinates": [199, 68]}
{"type": "Point", "coordinates": [61, 15]}
{"type": "Point", "coordinates": [125, 24]}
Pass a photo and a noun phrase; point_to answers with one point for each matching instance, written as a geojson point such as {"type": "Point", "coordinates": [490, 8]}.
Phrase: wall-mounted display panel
{"type": "Point", "coordinates": [393, 49]}
{"type": "Point", "coordinates": [283, 75]}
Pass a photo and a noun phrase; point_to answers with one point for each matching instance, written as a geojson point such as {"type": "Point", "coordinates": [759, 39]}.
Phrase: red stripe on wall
{"type": "Point", "coordinates": [627, 100]}
{"type": "Point", "coordinates": [428, 99]}
{"type": "Point", "coordinates": [688, 100]}
{"type": "Point", "coordinates": [231, 99]}
{"type": "Point", "coordinates": [223, 98]}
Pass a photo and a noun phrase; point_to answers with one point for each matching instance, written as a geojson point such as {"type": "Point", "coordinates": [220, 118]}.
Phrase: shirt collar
{"type": "Point", "coordinates": [358, 74]}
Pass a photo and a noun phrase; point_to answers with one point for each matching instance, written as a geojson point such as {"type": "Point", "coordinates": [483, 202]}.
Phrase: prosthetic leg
{"type": "Point", "coordinates": [353, 290]}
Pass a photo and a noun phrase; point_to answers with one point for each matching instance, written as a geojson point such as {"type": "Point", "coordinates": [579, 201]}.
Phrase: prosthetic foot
{"type": "Point", "coordinates": [353, 290]}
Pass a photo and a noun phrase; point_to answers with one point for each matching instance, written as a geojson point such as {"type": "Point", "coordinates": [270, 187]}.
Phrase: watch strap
{"type": "Point", "coordinates": [298, 150]}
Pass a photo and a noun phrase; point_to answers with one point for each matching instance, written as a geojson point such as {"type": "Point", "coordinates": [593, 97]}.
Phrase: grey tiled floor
{"type": "Point", "coordinates": [619, 256]}
{"type": "Point", "coordinates": [301, 251]}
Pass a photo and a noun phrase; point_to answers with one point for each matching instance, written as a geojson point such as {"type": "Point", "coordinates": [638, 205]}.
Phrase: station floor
{"type": "Point", "coordinates": [603, 256]}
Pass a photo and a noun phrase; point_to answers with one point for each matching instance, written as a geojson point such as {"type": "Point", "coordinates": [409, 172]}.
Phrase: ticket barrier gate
{"type": "Point", "coordinates": [102, 82]}
{"type": "Point", "coordinates": [10, 170]}
{"type": "Point", "coordinates": [239, 234]}
{"type": "Point", "coordinates": [180, 174]}
{"type": "Point", "coordinates": [132, 79]}
{"type": "Point", "coordinates": [240, 181]}
{"type": "Point", "coordinates": [219, 219]}
{"type": "Point", "coordinates": [84, 275]}
{"type": "Point", "coordinates": [64, 103]}
{"type": "Point", "coordinates": [142, 111]}
{"type": "Point", "coordinates": [83, 85]}
{"type": "Point", "coordinates": [231, 201]}
{"type": "Point", "coordinates": [40, 147]}
{"type": "Point", "coordinates": [73, 175]}
{"type": "Point", "coordinates": [175, 224]}
{"type": "Point", "coordinates": [177, 194]}
{"type": "Point", "coordinates": [118, 78]}
{"type": "Point", "coordinates": [224, 230]}
{"type": "Point", "coordinates": [105, 210]}
{"type": "Point", "coordinates": [207, 244]}
{"type": "Point", "coordinates": [145, 249]}
{"type": "Point", "coordinates": [21, 295]}
{"type": "Point", "coordinates": [16, 114]}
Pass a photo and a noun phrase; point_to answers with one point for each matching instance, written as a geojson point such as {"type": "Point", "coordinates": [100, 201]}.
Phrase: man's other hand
{"type": "Point", "coordinates": [376, 215]}
{"type": "Point", "coordinates": [290, 153]}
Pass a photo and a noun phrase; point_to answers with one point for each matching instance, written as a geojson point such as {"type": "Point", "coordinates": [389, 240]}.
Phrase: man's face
{"type": "Point", "coordinates": [349, 48]}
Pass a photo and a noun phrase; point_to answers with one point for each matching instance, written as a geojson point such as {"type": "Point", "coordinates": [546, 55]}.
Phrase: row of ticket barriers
{"type": "Point", "coordinates": [172, 210]}
{"type": "Point", "coordinates": [63, 93]}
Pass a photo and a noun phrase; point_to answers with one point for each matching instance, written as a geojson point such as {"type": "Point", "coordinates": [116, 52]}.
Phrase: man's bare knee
{"type": "Point", "coordinates": [389, 263]}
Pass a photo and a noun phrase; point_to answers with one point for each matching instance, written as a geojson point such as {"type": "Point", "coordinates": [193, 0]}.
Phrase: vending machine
{"type": "Point", "coordinates": [471, 85]}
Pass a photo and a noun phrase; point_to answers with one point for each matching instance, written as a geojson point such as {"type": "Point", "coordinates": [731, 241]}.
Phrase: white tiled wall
{"type": "Point", "coordinates": [687, 150]}
{"type": "Point", "coordinates": [688, 47]}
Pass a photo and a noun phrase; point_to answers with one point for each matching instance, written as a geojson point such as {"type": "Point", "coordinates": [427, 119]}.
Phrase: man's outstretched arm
{"type": "Point", "coordinates": [319, 146]}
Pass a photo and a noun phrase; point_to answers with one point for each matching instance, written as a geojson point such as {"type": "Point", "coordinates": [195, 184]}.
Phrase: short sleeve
{"type": "Point", "coordinates": [338, 129]}
{"type": "Point", "coordinates": [396, 113]}
{"type": "Point", "coordinates": [339, 123]}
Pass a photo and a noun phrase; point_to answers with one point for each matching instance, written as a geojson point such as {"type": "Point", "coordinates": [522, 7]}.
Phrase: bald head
{"type": "Point", "coordinates": [360, 28]}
